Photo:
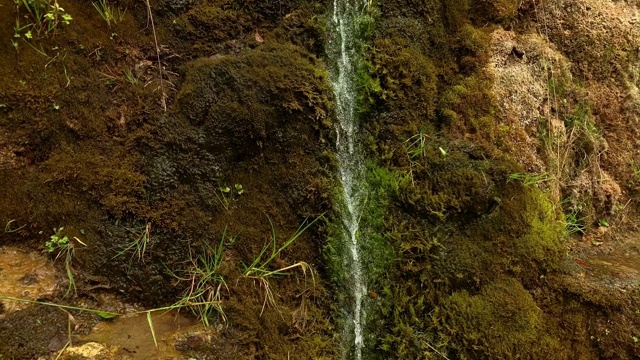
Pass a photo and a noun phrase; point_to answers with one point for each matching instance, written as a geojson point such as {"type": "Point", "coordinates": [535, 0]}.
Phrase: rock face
{"type": "Point", "coordinates": [503, 178]}
{"type": "Point", "coordinates": [512, 104]}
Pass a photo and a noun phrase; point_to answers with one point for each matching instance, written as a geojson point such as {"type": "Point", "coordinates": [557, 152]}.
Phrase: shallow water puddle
{"type": "Point", "coordinates": [27, 275]}
{"type": "Point", "coordinates": [132, 335]}
{"type": "Point", "coordinates": [620, 266]}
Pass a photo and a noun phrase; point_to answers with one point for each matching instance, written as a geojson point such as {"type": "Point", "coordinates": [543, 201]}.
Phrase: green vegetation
{"type": "Point", "coordinates": [226, 195]}
{"type": "Point", "coordinates": [131, 77]}
{"type": "Point", "coordinates": [416, 145]}
{"type": "Point", "coordinates": [43, 16]}
{"type": "Point", "coordinates": [574, 221]}
{"type": "Point", "coordinates": [260, 270]}
{"type": "Point", "coordinates": [203, 296]}
{"type": "Point", "coordinates": [102, 313]}
{"type": "Point", "coordinates": [530, 179]}
{"type": "Point", "coordinates": [501, 321]}
{"type": "Point", "coordinates": [465, 224]}
{"type": "Point", "coordinates": [139, 243]}
{"type": "Point", "coordinates": [260, 265]}
{"type": "Point", "coordinates": [464, 249]}
{"type": "Point", "coordinates": [63, 247]}
{"type": "Point", "coordinates": [109, 13]}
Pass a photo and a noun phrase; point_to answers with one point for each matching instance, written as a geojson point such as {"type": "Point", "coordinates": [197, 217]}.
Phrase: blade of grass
{"type": "Point", "coordinates": [101, 313]}
{"type": "Point", "coordinates": [153, 333]}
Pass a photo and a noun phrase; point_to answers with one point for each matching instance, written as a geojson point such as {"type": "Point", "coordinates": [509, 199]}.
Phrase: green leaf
{"type": "Point", "coordinates": [153, 333]}
{"type": "Point", "coordinates": [106, 314]}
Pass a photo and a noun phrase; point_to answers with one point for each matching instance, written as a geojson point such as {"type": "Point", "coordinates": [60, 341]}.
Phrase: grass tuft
{"type": "Point", "coordinates": [109, 13]}
{"type": "Point", "coordinates": [259, 269]}
{"type": "Point", "coordinates": [203, 296]}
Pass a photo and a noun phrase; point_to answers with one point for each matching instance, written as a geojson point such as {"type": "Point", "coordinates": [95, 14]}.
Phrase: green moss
{"type": "Point", "coordinates": [405, 76]}
{"type": "Point", "coordinates": [277, 76]}
{"type": "Point", "coordinates": [458, 224]}
{"type": "Point", "coordinates": [212, 21]}
{"type": "Point", "coordinates": [501, 322]}
{"type": "Point", "coordinates": [456, 13]}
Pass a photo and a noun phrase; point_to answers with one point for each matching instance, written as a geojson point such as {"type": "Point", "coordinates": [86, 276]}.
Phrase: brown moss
{"type": "Point", "coordinates": [214, 21]}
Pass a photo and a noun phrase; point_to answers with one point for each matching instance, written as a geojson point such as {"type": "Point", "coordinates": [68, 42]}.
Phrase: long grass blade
{"type": "Point", "coordinates": [153, 333]}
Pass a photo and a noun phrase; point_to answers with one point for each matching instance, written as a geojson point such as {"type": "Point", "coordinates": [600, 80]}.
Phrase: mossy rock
{"type": "Point", "coordinates": [461, 226]}
{"type": "Point", "coordinates": [501, 322]}
{"type": "Point", "coordinates": [214, 22]}
{"type": "Point", "coordinates": [406, 76]}
{"type": "Point", "coordinates": [232, 109]}
{"type": "Point", "coordinates": [235, 119]}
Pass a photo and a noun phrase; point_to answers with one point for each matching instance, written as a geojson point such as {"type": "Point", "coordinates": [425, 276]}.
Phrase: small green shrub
{"type": "Point", "coordinates": [62, 246]}
{"type": "Point", "coordinates": [574, 220]}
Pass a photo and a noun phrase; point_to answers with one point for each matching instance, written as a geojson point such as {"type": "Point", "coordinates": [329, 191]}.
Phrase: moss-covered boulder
{"type": "Point", "coordinates": [502, 321]}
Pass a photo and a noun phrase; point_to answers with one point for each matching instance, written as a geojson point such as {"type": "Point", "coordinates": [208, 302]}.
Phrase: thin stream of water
{"type": "Point", "coordinates": [343, 53]}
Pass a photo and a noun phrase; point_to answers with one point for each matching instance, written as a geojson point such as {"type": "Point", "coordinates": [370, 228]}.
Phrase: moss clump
{"type": "Point", "coordinates": [405, 76]}
{"type": "Point", "coordinates": [501, 322]}
{"type": "Point", "coordinates": [214, 22]}
{"type": "Point", "coordinates": [495, 11]}
{"type": "Point", "coordinates": [279, 76]}
{"type": "Point", "coordinates": [230, 26]}
{"type": "Point", "coordinates": [458, 224]}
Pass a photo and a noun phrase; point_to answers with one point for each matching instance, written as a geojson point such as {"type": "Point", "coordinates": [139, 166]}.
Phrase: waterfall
{"type": "Point", "coordinates": [344, 55]}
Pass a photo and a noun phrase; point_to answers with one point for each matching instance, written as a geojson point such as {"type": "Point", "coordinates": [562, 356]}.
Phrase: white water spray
{"type": "Point", "coordinates": [343, 53]}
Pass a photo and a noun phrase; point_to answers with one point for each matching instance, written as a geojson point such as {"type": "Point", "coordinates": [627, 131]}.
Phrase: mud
{"type": "Point", "coordinates": [26, 275]}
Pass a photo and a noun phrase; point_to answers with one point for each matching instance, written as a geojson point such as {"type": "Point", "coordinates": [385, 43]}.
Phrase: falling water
{"type": "Point", "coordinates": [344, 55]}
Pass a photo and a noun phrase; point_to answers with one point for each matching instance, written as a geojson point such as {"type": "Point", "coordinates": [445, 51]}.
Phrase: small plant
{"type": "Point", "coordinates": [131, 77]}
{"type": "Point", "coordinates": [573, 223]}
{"type": "Point", "coordinates": [109, 13]}
{"type": "Point", "coordinates": [141, 240]}
{"type": "Point", "coordinates": [259, 268]}
{"type": "Point", "coordinates": [63, 247]}
{"type": "Point", "coordinates": [204, 294]}
{"type": "Point", "coordinates": [112, 77]}
{"type": "Point", "coordinates": [634, 181]}
{"type": "Point", "coordinates": [416, 146]}
{"type": "Point", "coordinates": [603, 223]}
{"type": "Point", "coordinates": [530, 179]}
{"type": "Point", "coordinates": [44, 16]}
{"type": "Point", "coordinates": [226, 194]}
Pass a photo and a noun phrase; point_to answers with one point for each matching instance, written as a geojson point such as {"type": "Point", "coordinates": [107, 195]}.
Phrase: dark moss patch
{"type": "Point", "coordinates": [228, 27]}
{"type": "Point", "coordinates": [33, 332]}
